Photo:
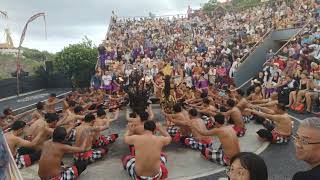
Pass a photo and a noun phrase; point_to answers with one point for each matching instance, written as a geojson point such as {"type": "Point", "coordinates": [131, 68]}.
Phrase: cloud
{"type": "Point", "coordinates": [68, 21]}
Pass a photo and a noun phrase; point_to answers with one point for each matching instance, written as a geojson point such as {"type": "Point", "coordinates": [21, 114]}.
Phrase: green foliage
{"type": "Point", "coordinates": [8, 65]}
{"type": "Point", "coordinates": [211, 5]}
{"type": "Point", "coordinates": [77, 61]}
{"type": "Point", "coordinates": [241, 3]}
{"type": "Point", "coordinates": [37, 55]}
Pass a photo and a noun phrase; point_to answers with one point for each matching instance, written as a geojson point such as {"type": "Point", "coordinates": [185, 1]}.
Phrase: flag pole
{"type": "Point", "coordinates": [18, 71]}
{"type": "Point", "coordinates": [23, 34]}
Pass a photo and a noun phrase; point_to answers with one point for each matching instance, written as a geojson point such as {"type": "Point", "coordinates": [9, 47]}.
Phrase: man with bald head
{"type": "Point", "coordinates": [307, 145]}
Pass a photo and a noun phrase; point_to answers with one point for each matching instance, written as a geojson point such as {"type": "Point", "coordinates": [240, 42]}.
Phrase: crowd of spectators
{"type": "Point", "coordinates": [198, 47]}
{"type": "Point", "coordinates": [187, 63]}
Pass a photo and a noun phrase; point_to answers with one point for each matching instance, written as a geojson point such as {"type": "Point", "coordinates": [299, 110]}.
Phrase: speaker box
{"type": "Point", "coordinates": [49, 66]}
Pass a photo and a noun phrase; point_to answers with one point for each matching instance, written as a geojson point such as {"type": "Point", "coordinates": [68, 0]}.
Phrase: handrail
{"type": "Point", "coordinates": [292, 37]}
{"type": "Point", "coordinates": [263, 37]}
{"type": "Point", "coordinates": [257, 43]}
{"type": "Point", "coordinates": [159, 16]}
{"type": "Point", "coordinates": [243, 84]}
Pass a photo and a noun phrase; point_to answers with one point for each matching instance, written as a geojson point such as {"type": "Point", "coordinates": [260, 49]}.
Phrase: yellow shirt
{"type": "Point", "coordinates": [167, 70]}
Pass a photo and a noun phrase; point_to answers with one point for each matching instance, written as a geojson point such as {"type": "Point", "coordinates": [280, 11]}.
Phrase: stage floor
{"type": "Point", "coordinates": [183, 163]}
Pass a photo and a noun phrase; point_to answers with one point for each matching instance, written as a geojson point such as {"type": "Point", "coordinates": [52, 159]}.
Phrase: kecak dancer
{"type": "Point", "coordinates": [149, 161]}
{"type": "Point", "coordinates": [168, 99]}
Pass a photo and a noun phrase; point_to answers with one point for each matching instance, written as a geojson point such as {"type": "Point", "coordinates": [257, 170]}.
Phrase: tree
{"type": "Point", "coordinates": [77, 62]}
{"type": "Point", "coordinates": [37, 55]}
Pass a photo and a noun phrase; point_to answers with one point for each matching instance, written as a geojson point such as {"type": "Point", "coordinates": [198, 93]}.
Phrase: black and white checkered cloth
{"type": "Point", "coordinates": [216, 156]}
{"type": "Point", "coordinates": [130, 168]}
{"type": "Point", "coordinates": [172, 130]}
{"type": "Point", "coordinates": [195, 144]}
{"type": "Point", "coordinates": [92, 156]}
{"type": "Point", "coordinates": [70, 173]}
{"type": "Point", "coordinates": [21, 161]}
{"type": "Point", "coordinates": [247, 118]}
{"type": "Point", "coordinates": [208, 122]}
{"type": "Point", "coordinates": [72, 135]}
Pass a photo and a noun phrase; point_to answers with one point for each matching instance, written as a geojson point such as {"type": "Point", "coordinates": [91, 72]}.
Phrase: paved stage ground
{"type": "Point", "coordinates": [18, 102]}
{"type": "Point", "coordinates": [182, 163]}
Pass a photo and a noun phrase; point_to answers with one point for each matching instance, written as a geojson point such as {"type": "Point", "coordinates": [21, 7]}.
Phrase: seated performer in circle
{"type": "Point", "coordinates": [227, 137]}
{"type": "Point", "coordinates": [53, 152]}
{"type": "Point", "coordinates": [236, 118]}
{"type": "Point", "coordinates": [149, 160]}
{"type": "Point", "coordinates": [93, 154]}
{"type": "Point", "coordinates": [279, 130]}
{"type": "Point", "coordinates": [197, 141]}
{"type": "Point", "coordinates": [101, 120]}
{"type": "Point", "coordinates": [15, 142]}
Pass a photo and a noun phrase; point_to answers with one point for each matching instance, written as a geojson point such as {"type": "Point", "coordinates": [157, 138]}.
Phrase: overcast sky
{"type": "Point", "coordinates": [68, 21]}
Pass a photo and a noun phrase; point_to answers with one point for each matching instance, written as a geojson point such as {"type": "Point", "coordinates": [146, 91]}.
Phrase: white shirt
{"type": "Point", "coordinates": [106, 79]}
{"type": "Point", "coordinates": [154, 71]}
{"type": "Point", "coordinates": [189, 65]}
{"type": "Point", "coordinates": [227, 51]}
{"type": "Point", "coordinates": [188, 81]}
{"type": "Point", "coordinates": [316, 51]}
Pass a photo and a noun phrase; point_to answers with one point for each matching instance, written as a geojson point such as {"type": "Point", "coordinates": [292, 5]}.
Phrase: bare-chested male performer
{"type": "Point", "coordinates": [227, 137]}
{"type": "Point", "coordinates": [15, 141]}
{"type": "Point", "coordinates": [52, 154]}
{"type": "Point", "coordinates": [235, 117]}
{"type": "Point", "coordinates": [148, 161]}
{"type": "Point", "coordinates": [279, 133]}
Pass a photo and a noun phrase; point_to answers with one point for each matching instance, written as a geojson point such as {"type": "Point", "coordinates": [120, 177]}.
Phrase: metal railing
{"type": "Point", "coordinates": [255, 45]}
{"type": "Point", "coordinates": [268, 33]}
{"type": "Point", "coordinates": [150, 17]}
{"type": "Point", "coordinates": [292, 37]}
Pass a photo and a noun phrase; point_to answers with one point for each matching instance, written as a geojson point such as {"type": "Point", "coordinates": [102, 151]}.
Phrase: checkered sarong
{"type": "Point", "coordinates": [172, 130]}
{"type": "Point", "coordinates": [198, 145]}
{"type": "Point", "coordinates": [72, 135]}
{"type": "Point", "coordinates": [69, 173]}
{"type": "Point", "coordinates": [239, 131]}
{"type": "Point", "coordinates": [279, 139]}
{"type": "Point", "coordinates": [247, 118]}
{"type": "Point", "coordinates": [129, 163]}
{"type": "Point", "coordinates": [91, 155]}
{"type": "Point", "coordinates": [23, 160]}
{"type": "Point", "coordinates": [105, 140]}
{"type": "Point", "coordinates": [216, 156]}
{"type": "Point", "coordinates": [208, 122]}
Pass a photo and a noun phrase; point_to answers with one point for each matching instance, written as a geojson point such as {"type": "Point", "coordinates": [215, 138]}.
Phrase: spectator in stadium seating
{"type": "Point", "coordinates": [314, 92]}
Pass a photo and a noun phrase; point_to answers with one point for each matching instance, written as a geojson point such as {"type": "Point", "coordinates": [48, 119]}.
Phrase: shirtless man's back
{"type": "Point", "coordinates": [281, 132]}
{"type": "Point", "coordinates": [228, 139]}
{"type": "Point", "coordinates": [43, 128]}
{"type": "Point", "coordinates": [51, 158]}
{"type": "Point", "coordinates": [90, 130]}
{"type": "Point", "coordinates": [15, 142]}
{"type": "Point", "coordinates": [100, 140]}
{"type": "Point", "coordinates": [149, 161]}
{"type": "Point", "coordinates": [236, 117]}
